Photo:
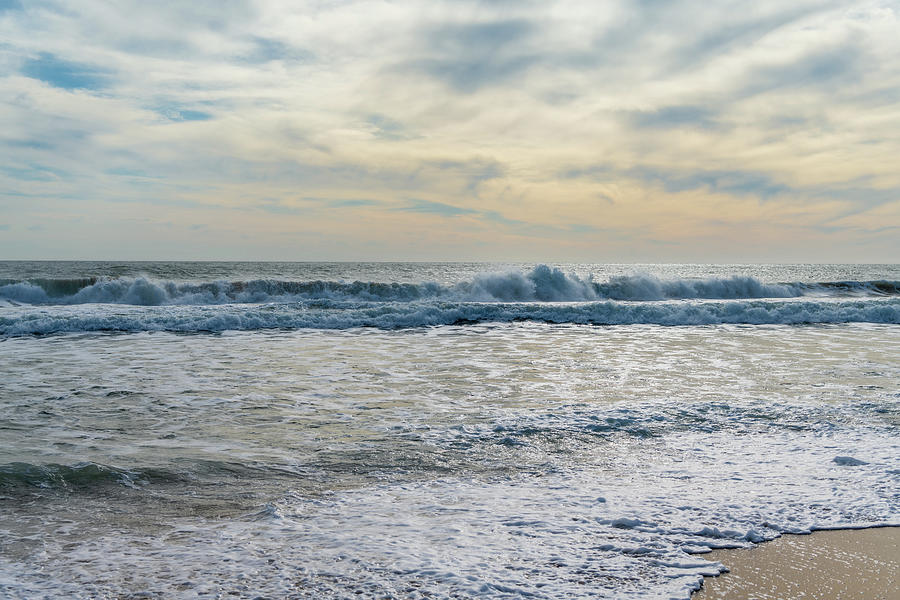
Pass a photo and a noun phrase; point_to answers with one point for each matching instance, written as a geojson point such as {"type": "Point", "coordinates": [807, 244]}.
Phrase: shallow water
{"type": "Point", "coordinates": [494, 458]}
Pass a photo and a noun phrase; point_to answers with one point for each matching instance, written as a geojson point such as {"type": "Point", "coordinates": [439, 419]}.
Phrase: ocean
{"type": "Point", "coordinates": [433, 430]}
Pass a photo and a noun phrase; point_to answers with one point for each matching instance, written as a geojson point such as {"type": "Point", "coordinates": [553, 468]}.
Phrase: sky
{"type": "Point", "coordinates": [629, 131]}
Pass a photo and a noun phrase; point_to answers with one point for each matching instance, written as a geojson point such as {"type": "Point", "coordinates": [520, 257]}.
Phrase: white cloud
{"type": "Point", "coordinates": [206, 107]}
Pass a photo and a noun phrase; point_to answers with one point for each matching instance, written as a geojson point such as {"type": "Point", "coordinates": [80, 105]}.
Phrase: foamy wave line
{"type": "Point", "coordinates": [541, 284]}
{"type": "Point", "coordinates": [336, 315]}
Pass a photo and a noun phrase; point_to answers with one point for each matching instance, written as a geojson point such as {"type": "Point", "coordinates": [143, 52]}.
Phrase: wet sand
{"type": "Point", "coordinates": [857, 564]}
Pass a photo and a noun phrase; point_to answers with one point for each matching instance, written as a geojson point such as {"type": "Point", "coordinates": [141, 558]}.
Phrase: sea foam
{"type": "Point", "coordinates": [541, 284]}
{"type": "Point", "coordinates": [27, 320]}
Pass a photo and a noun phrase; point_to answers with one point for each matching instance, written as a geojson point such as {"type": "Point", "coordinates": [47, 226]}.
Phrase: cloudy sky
{"type": "Point", "coordinates": [631, 131]}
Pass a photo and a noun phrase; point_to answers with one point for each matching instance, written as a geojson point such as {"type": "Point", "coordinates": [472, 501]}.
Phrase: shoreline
{"type": "Point", "coordinates": [861, 562]}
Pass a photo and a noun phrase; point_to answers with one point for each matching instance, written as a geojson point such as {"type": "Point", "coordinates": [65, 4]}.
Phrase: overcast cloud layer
{"type": "Point", "coordinates": [495, 130]}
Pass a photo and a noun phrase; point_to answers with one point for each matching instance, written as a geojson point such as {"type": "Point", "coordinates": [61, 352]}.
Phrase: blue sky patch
{"type": "Point", "coordinates": [176, 113]}
{"type": "Point", "coordinates": [267, 49]}
{"type": "Point", "coordinates": [65, 74]}
{"type": "Point", "coordinates": [436, 208]}
{"type": "Point", "coordinates": [351, 203]}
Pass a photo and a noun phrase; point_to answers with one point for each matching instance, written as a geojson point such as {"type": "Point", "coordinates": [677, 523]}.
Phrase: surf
{"type": "Point", "coordinates": [540, 284]}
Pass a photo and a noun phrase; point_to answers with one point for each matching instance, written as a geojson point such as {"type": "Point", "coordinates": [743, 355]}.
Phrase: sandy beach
{"type": "Point", "coordinates": [856, 563]}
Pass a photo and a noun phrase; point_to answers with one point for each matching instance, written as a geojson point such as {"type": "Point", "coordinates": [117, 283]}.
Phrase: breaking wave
{"type": "Point", "coordinates": [543, 294]}
{"type": "Point", "coordinates": [395, 315]}
{"type": "Point", "coordinates": [541, 284]}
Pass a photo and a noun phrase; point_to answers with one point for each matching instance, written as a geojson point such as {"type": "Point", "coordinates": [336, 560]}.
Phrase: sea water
{"type": "Point", "coordinates": [377, 430]}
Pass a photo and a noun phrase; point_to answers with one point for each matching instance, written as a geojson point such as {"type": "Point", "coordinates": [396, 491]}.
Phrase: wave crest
{"type": "Point", "coordinates": [541, 284]}
{"type": "Point", "coordinates": [396, 315]}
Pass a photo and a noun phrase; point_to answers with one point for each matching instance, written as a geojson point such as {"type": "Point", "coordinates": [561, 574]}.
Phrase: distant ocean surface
{"type": "Point", "coordinates": [433, 430]}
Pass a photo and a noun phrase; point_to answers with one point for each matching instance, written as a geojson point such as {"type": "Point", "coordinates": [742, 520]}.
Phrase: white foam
{"type": "Point", "coordinates": [28, 320]}
{"type": "Point", "coordinates": [503, 461]}
{"type": "Point", "coordinates": [509, 537]}
{"type": "Point", "coordinates": [541, 284]}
